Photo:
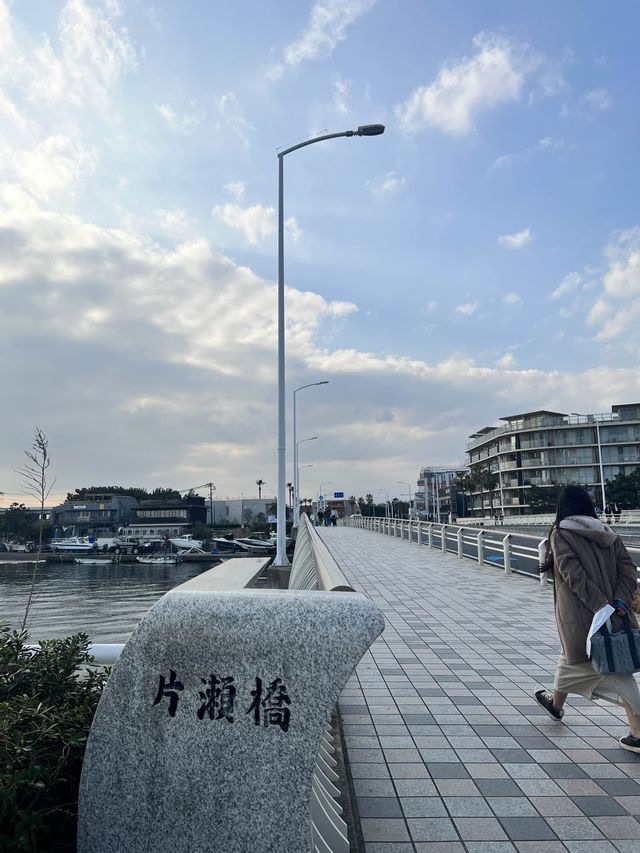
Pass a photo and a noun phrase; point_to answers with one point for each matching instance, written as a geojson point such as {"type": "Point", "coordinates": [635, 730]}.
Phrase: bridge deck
{"type": "Point", "coordinates": [446, 747]}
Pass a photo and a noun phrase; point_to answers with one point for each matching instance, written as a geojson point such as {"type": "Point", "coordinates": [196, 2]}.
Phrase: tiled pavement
{"type": "Point", "coordinates": [446, 747]}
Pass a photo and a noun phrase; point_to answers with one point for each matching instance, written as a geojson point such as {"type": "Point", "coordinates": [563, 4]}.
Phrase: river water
{"type": "Point", "coordinates": [106, 602]}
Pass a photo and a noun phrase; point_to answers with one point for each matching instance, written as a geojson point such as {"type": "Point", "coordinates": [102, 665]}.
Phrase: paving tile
{"type": "Point", "coordinates": [373, 788]}
{"type": "Point", "coordinates": [423, 807]}
{"type": "Point", "coordinates": [574, 828]}
{"type": "Point", "coordinates": [415, 788]}
{"type": "Point", "coordinates": [598, 806]}
{"type": "Point", "coordinates": [408, 771]}
{"type": "Point", "coordinates": [467, 807]}
{"type": "Point", "coordinates": [440, 847]}
{"type": "Point", "coordinates": [480, 829]}
{"type": "Point", "coordinates": [527, 828]}
{"type": "Point", "coordinates": [457, 788]}
{"type": "Point", "coordinates": [555, 806]}
{"type": "Point", "coordinates": [384, 829]}
{"type": "Point", "coordinates": [499, 788]}
{"type": "Point", "coordinates": [591, 847]}
{"type": "Point", "coordinates": [618, 827]}
{"type": "Point", "coordinates": [379, 807]}
{"type": "Point", "coordinates": [513, 806]}
{"type": "Point", "coordinates": [432, 829]}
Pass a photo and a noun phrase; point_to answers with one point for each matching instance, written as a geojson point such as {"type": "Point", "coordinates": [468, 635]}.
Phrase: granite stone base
{"type": "Point", "coordinates": [206, 735]}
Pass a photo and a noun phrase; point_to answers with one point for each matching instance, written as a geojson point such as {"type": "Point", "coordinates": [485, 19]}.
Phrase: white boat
{"type": "Point", "coordinates": [93, 561]}
{"type": "Point", "coordinates": [158, 560]}
{"type": "Point", "coordinates": [250, 544]}
{"type": "Point", "coordinates": [74, 544]}
{"type": "Point", "coordinates": [186, 541]}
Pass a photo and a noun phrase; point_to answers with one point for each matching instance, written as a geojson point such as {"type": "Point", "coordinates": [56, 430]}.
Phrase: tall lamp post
{"type": "Point", "coordinates": [602, 490]}
{"type": "Point", "coordinates": [364, 130]}
{"type": "Point", "coordinates": [296, 478]}
{"type": "Point", "coordinates": [321, 493]}
{"type": "Point", "coordinates": [408, 485]}
{"type": "Point", "coordinates": [296, 484]}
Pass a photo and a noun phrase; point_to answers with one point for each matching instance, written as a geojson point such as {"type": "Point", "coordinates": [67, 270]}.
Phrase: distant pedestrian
{"type": "Point", "coordinates": [501, 518]}
{"type": "Point", "coordinates": [608, 512]}
{"type": "Point", "coordinates": [591, 568]}
{"type": "Point", "coordinates": [334, 517]}
{"type": "Point", "coordinates": [327, 517]}
{"type": "Point", "coordinates": [320, 517]}
{"type": "Point", "coordinates": [617, 512]}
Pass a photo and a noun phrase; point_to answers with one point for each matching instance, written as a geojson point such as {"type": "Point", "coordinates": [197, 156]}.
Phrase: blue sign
{"type": "Point", "coordinates": [338, 494]}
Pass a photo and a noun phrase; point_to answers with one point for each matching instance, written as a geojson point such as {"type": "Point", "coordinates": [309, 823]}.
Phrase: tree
{"type": "Point", "coordinates": [17, 520]}
{"type": "Point", "coordinates": [290, 488]}
{"type": "Point", "coordinates": [34, 473]}
{"type": "Point", "coordinates": [369, 499]}
{"type": "Point", "coordinates": [624, 490]}
{"type": "Point", "coordinates": [464, 485]}
{"type": "Point", "coordinates": [543, 498]}
{"type": "Point", "coordinates": [260, 484]}
{"type": "Point", "coordinates": [247, 519]}
{"type": "Point", "coordinates": [201, 531]}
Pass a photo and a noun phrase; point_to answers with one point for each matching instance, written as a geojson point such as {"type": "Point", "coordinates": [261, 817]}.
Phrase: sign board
{"type": "Point", "coordinates": [338, 494]}
{"type": "Point", "coordinates": [272, 519]}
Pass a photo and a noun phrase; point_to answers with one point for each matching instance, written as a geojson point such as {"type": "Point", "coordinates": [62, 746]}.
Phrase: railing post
{"type": "Point", "coordinates": [506, 551]}
{"type": "Point", "coordinates": [443, 538]}
{"type": "Point", "coordinates": [480, 546]}
{"type": "Point", "coordinates": [542, 556]}
{"type": "Point", "coordinates": [430, 534]}
{"type": "Point", "coordinates": [419, 526]}
{"type": "Point", "coordinates": [459, 536]}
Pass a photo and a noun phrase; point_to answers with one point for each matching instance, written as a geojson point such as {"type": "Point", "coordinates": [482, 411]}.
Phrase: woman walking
{"type": "Point", "coordinates": [591, 568]}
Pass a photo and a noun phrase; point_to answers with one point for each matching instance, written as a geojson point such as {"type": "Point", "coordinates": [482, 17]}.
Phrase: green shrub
{"type": "Point", "coordinates": [46, 709]}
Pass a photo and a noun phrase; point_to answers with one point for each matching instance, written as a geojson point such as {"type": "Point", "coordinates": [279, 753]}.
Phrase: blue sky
{"type": "Point", "coordinates": [480, 258]}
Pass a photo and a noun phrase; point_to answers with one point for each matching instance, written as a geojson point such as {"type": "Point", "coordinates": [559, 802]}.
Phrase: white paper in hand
{"type": "Point", "coordinates": [599, 618]}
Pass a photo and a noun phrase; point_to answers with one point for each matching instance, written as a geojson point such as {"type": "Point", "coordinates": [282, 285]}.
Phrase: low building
{"type": "Point", "coordinates": [544, 449]}
{"type": "Point", "coordinates": [94, 514]}
{"type": "Point", "coordinates": [244, 512]}
{"type": "Point", "coordinates": [437, 497]}
{"type": "Point", "coordinates": [156, 519]}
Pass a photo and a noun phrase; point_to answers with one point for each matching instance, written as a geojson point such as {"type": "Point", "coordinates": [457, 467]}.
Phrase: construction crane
{"type": "Point", "coordinates": [209, 486]}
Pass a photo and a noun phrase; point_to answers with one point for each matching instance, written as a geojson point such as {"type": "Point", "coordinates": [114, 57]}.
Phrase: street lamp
{"type": "Point", "coordinates": [296, 484]}
{"type": "Point", "coordinates": [296, 478]}
{"type": "Point", "coordinates": [602, 491]}
{"type": "Point", "coordinates": [408, 485]}
{"type": "Point", "coordinates": [364, 130]}
{"type": "Point", "coordinates": [386, 501]}
{"type": "Point", "coordinates": [321, 493]}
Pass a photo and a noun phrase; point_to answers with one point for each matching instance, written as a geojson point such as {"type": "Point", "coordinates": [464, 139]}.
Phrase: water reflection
{"type": "Point", "coordinates": [104, 601]}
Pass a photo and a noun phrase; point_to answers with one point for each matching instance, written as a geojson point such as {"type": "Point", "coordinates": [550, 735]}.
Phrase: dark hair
{"type": "Point", "coordinates": [572, 500]}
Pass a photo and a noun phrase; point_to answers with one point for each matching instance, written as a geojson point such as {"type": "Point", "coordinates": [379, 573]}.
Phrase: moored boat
{"type": "Point", "coordinates": [158, 560]}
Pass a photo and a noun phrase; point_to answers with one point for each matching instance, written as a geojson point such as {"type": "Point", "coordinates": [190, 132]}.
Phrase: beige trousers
{"type": "Point", "coordinates": [582, 678]}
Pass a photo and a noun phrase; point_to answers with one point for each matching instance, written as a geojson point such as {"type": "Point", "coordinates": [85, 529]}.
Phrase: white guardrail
{"type": "Point", "coordinates": [626, 518]}
{"type": "Point", "coordinates": [513, 552]}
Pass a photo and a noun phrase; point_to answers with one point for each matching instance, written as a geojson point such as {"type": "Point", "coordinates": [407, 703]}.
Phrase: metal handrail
{"type": "Point", "coordinates": [313, 565]}
{"type": "Point", "coordinates": [487, 545]}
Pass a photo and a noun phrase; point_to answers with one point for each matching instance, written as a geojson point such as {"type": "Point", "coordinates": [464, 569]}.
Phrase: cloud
{"type": "Point", "coordinates": [512, 298]}
{"type": "Point", "coordinates": [341, 92]}
{"type": "Point", "coordinates": [326, 28]}
{"type": "Point", "coordinates": [597, 100]}
{"type": "Point", "coordinates": [387, 184]}
{"type": "Point", "coordinates": [569, 284]}
{"type": "Point", "coordinates": [545, 144]}
{"type": "Point", "coordinates": [235, 189]}
{"type": "Point", "coordinates": [517, 240]}
{"type": "Point", "coordinates": [184, 123]}
{"type": "Point", "coordinates": [467, 308]}
{"type": "Point", "coordinates": [492, 76]}
{"type": "Point", "coordinates": [507, 361]}
{"type": "Point", "coordinates": [57, 163]}
{"type": "Point", "coordinates": [255, 223]}
{"type": "Point", "coordinates": [231, 118]}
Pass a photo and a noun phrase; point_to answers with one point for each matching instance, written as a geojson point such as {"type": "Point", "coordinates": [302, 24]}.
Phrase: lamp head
{"type": "Point", "coordinates": [370, 130]}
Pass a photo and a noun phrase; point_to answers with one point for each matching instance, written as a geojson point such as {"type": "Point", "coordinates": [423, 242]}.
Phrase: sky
{"type": "Point", "coordinates": [479, 259]}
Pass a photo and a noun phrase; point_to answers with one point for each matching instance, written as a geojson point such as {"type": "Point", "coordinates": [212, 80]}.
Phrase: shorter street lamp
{"type": "Point", "coordinates": [296, 484]}
{"type": "Point", "coordinates": [321, 493]}
{"type": "Point", "coordinates": [408, 485]}
{"type": "Point", "coordinates": [602, 490]}
{"type": "Point", "coordinates": [386, 501]}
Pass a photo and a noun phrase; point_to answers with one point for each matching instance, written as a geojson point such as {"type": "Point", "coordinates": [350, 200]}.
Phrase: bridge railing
{"type": "Point", "coordinates": [514, 552]}
{"type": "Point", "coordinates": [626, 518]}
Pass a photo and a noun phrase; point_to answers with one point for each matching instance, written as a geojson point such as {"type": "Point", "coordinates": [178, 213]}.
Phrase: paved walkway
{"type": "Point", "coordinates": [447, 749]}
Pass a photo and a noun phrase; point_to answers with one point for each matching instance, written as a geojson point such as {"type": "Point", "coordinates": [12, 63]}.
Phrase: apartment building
{"type": "Point", "coordinates": [545, 448]}
{"type": "Point", "coordinates": [437, 497]}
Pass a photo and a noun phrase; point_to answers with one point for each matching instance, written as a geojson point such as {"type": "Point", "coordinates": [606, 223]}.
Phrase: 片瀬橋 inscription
{"type": "Point", "coordinates": [269, 706]}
